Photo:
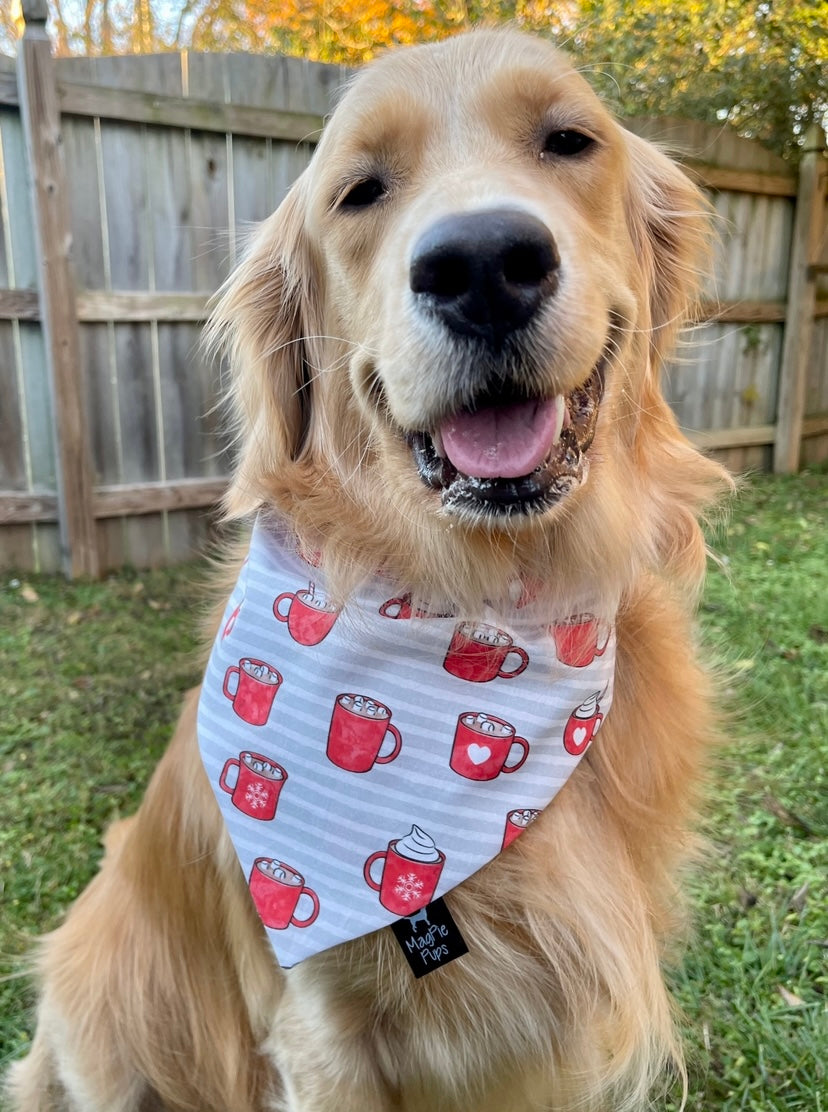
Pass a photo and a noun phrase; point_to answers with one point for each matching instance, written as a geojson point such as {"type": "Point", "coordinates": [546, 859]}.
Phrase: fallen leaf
{"type": "Point", "coordinates": [28, 593]}
{"type": "Point", "coordinates": [73, 617]}
{"type": "Point", "coordinates": [790, 998]}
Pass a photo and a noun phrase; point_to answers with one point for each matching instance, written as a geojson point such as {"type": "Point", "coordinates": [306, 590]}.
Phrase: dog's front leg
{"type": "Point", "coordinates": [323, 1050]}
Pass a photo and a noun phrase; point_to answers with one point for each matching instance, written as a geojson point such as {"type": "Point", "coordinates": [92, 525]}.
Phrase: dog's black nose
{"type": "Point", "coordinates": [485, 273]}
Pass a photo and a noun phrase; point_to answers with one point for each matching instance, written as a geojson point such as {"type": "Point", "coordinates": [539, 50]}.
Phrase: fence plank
{"type": "Point", "coordinates": [12, 447]}
{"type": "Point", "coordinates": [41, 116]}
{"type": "Point", "coordinates": [19, 305]}
{"type": "Point", "coordinates": [742, 181]}
{"type": "Point", "coordinates": [799, 326]}
{"type": "Point", "coordinates": [139, 305]}
{"type": "Point", "coordinates": [165, 111]}
{"type": "Point", "coordinates": [117, 500]}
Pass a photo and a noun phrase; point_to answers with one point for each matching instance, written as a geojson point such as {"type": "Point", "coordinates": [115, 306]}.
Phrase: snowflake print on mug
{"type": "Point", "coordinates": [255, 797]}
{"type": "Point", "coordinates": [259, 781]}
{"type": "Point", "coordinates": [410, 872]}
{"type": "Point", "coordinates": [409, 889]}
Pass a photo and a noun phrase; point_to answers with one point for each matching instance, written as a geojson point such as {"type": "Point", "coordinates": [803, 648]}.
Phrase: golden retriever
{"type": "Point", "coordinates": [475, 234]}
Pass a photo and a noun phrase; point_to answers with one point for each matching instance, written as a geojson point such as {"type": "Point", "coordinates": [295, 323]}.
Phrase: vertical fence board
{"type": "Point", "coordinates": [124, 189]}
{"type": "Point", "coordinates": [12, 446]}
{"type": "Point", "coordinates": [81, 155]}
{"type": "Point", "coordinates": [21, 224]}
{"type": "Point", "coordinates": [38, 402]}
{"type": "Point", "coordinates": [208, 209]}
{"type": "Point", "coordinates": [808, 228]}
{"type": "Point", "coordinates": [140, 442]}
{"type": "Point", "coordinates": [40, 114]}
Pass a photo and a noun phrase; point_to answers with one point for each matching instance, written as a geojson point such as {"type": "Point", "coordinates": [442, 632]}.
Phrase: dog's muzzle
{"type": "Point", "coordinates": [486, 277]}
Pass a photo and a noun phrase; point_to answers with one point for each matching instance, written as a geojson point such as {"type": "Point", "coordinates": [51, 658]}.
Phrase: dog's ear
{"type": "Point", "coordinates": [262, 322]}
{"type": "Point", "coordinates": [670, 225]}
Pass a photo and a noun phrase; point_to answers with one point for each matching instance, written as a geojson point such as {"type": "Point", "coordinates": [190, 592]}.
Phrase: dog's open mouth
{"type": "Point", "coordinates": [509, 455]}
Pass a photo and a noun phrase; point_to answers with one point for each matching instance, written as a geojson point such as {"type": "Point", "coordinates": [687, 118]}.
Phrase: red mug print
{"type": "Point", "coordinates": [276, 889]}
{"type": "Point", "coordinates": [231, 621]}
{"type": "Point", "coordinates": [478, 653]}
{"type": "Point", "coordinates": [407, 883]}
{"type": "Point", "coordinates": [576, 640]}
{"type": "Point", "coordinates": [402, 608]}
{"type": "Point", "coordinates": [359, 726]}
{"type": "Point", "coordinates": [398, 608]}
{"type": "Point", "coordinates": [255, 691]}
{"type": "Point", "coordinates": [312, 556]}
{"type": "Point", "coordinates": [482, 744]}
{"type": "Point", "coordinates": [516, 823]}
{"type": "Point", "coordinates": [259, 781]}
{"type": "Point", "coordinates": [309, 616]}
{"type": "Point", "coordinates": [582, 726]}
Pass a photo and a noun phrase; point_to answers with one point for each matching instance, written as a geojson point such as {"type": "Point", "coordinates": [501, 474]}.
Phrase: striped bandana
{"type": "Point", "coordinates": [368, 759]}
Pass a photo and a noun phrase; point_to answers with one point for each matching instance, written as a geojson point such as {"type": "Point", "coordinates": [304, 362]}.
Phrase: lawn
{"type": "Point", "coordinates": [92, 679]}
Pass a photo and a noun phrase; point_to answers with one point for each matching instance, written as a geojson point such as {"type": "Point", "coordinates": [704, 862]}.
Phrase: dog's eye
{"type": "Point", "coordinates": [364, 193]}
{"type": "Point", "coordinates": [566, 143]}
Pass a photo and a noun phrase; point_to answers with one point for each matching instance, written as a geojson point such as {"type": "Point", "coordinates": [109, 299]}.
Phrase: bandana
{"type": "Point", "coordinates": [368, 759]}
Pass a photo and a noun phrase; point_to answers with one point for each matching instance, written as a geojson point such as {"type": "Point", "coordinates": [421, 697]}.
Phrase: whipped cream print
{"type": "Point", "coordinates": [369, 759]}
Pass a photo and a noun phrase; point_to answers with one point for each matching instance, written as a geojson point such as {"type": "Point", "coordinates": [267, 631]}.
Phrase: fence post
{"type": "Point", "coordinates": [799, 318]}
{"type": "Point", "coordinates": [40, 116]}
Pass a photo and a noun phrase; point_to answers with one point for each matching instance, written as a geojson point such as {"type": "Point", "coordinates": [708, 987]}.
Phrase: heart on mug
{"type": "Point", "coordinates": [579, 735]}
{"type": "Point", "coordinates": [478, 753]}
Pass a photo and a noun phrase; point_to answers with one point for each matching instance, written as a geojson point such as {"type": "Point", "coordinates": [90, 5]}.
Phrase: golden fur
{"type": "Point", "coordinates": [159, 991]}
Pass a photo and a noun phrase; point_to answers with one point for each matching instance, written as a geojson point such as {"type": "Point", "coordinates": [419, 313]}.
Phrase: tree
{"type": "Point", "coordinates": [760, 65]}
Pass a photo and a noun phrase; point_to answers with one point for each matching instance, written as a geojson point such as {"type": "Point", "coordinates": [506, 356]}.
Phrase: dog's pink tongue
{"type": "Point", "coordinates": [503, 442]}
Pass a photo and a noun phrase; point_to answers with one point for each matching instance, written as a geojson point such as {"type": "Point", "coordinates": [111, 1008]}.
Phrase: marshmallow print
{"type": "Point", "coordinates": [276, 889]}
{"type": "Point", "coordinates": [358, 733]}
{"type": "Point", "coordinates": [483, 745]}
{"type": "Point", "coordinates": [478, 653]}
{"type": "Point", "coordinates": [256, 688]}
{"type": "Point", "coordinates": [309, 616]}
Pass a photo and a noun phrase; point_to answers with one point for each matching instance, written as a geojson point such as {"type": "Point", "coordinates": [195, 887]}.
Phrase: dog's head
{"type": "Point", "coordinates": [447, 340]}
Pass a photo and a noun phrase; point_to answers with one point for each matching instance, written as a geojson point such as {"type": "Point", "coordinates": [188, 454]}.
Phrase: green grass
{"type": "Point", "coordinates": [92, 680]}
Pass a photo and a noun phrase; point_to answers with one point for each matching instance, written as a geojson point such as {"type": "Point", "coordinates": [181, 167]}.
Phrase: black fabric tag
{"type": "Point", "coordinates": [429, 938]}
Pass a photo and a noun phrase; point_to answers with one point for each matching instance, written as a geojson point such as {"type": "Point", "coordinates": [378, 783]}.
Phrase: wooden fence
{"type": "Point", "coordinates": [127, 186]}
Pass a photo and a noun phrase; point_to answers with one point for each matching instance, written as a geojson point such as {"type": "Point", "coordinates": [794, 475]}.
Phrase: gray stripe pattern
{"type": "Point", "coordinates": [329, 737]}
